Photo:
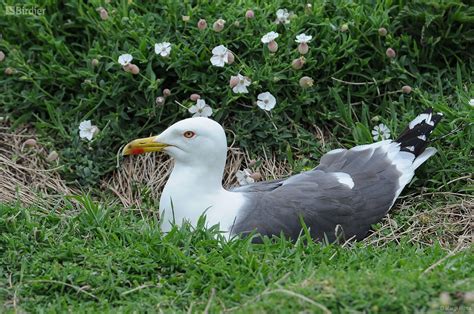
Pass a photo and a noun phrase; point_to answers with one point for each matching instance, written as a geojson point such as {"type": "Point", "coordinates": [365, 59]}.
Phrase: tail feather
{"type": "Point", "coordinates": [414, 139]}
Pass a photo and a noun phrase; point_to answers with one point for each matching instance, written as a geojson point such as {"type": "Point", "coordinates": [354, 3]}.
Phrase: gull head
{"type": "Point", "coordinates": [193, 141]}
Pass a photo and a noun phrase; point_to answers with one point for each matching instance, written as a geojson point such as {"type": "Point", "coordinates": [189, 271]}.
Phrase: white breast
{"type": "Point", "coordinates": [179, 205]}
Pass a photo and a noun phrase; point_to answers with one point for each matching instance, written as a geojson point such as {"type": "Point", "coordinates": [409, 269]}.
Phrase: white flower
{"type": "Point", "coordinates": [220, 56]}
{"type": "Point", "coordinates": [200, 109]}
{"type": "Point", "coordinates": [125, 59]}
{"type": "Point", "coordinates": [303, 38]}
{"type": "Point", "coordinates": [471, 102]}
{"type": "Point", "coordinates": [163, 49]}
{"type": "Point", "coordinates": [244, 177]}
{"type": "Point", "coordinates": [283, 16]}
{"type": "Point", "coordinates": [380, 132]}
{"type": "Point", "coordinates": [269, 37]}
{"type": "Point", "coordinates": [242, 84]}
{"type": "Point", "coordinates": [266, 101]}
{"type": "Point", "coordinates": [87, 130]}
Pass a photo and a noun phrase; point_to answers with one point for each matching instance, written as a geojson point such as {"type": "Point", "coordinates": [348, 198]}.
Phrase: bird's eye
{"type": "Point", "coordinates": [189, 134]}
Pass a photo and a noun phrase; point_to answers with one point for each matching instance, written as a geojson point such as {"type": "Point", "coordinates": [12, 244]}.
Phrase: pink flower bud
{"type": "Point", "coordinates": [303, 48]}
{"type": "Point", "coordinates": [256, 176]}
{"type": "Point", "coordinates": [95, 62]}
{"type": "Point", "coordinates": [218, 25]}
{"type": "Point", "coordinates": [249, 14]}
{"type": "Point", "coordinates": [382, 31]}
{"type": "Point", "coordinates": [2, 56]}
{"type": "Point", "coordinates": [406, 89]}
{"type": "Point", "coordinates": [104, 15]}
{"type": "Point", "coordinates": [306, 82]}
{"type": "Point", "coordinates": [30, 142]}
{"type": "Point", "coordinates": [166, 92]}
{"type": "Point", "coordinates": [160, 101]}
{"type": "Point", "coordinates": [202, 24]}
{"type": "Point", "coordinates": [133, 69]}
{"type": "Point", "coordinates": [272, 46]}
{"type": "Point", "coordinates": [390, 53]}
{"type": "Point", "coordinates": [9, 71]}
{"type": "Point", "coordinates": [195, 97]}
{"type": "Point", "coordinates": [186, 18]}
{"type": "Point", "coordinates": [230, 57]}
{"type": "Point", "coordinates": [344, 28]}
{"type": "Point", "coordinates": [52, 156]}
{"type": "Point", "coordinates": [234, 80]}
{"type": "Point", "coordinates": [298, 63]}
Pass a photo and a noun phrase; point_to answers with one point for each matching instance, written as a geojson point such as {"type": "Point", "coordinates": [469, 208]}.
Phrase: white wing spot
{"type": "Point", "coordinates": [410, 148]}
{"type": "Point", "coordinates": [344, 178]}
{"type": "Point", "coordinates": [422, 137]}
{"type": "Point", "coordinates": [420, 118]}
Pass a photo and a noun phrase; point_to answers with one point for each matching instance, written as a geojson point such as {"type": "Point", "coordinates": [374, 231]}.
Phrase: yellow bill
{"type": "Point", "coordinates": [143, 145]}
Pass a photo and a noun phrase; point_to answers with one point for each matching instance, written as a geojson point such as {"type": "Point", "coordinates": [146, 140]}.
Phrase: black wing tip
{"type": "Point", "coordinates": [415, 138]}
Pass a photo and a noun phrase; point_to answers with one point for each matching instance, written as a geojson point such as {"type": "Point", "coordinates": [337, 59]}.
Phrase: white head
{"type": "Point", "coordinates": [199, 143]}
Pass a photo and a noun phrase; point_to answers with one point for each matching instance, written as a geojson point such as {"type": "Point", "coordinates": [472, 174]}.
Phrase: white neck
{"type": "Point", "coordinates": [196, 179]}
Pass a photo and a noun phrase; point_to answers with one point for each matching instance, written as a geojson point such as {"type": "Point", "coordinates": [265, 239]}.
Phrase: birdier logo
{"type": "Point", "coordinates": [22, 10]}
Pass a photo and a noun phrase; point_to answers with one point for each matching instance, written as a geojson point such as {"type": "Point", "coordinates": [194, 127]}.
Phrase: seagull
{"type": "Point", "coordinates": [350, 190]}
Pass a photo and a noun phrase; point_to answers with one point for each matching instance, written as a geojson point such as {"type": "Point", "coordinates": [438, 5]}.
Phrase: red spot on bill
{"type": "Point", "coordinates": [136, 151]}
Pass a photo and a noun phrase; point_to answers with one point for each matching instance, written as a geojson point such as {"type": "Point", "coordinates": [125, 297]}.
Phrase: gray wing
{"type": "Point", "coordinates": [321, 200]}
{"type": "Point", "coordinates": [259, 186]}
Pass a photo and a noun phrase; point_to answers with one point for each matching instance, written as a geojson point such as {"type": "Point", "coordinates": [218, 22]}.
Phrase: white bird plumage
{"type": "Point", "coordinates": [349, 179]}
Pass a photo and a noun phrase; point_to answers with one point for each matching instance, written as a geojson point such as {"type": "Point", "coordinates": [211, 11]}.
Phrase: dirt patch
{"type": "Point", "coordinates": [25, 174]}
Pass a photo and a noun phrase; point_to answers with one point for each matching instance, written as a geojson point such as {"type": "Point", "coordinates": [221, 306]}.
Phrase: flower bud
{"type": "Point", "coordinates": [272, 46]}
{"type": "Point", "coordinates": [298, 63]}
{"type": "Point", "coordinates": [237, 24]}
{"type": "Point", "coordinates": [390, 53]}
{"type": "Point", "coordinates": [306, 82]}
{"type": "Point", "coordinates": [30, 142]}
{"type": "Point", "coordinates": [445, 299]}
{"type": "Point", "coordinates": [195, 97]}
{"type": "Point", "coordinates": [52, 156]}
{"type": "Point", "coordinates": [308, 7]}
{"type": "Point", "coordinates": [303, 48]}
{"type": "Point", "coordinates": [256, 176]}
{"type": "Point", "coordinates": [382, 31]}
{"type": "Point", "coordinates": [186, 18]}
{"type": "Point", "coordinates": [249, 14]}
{"type": "Point", "coordinates": [95, 130]}
{"type": "Point", "coordinates": [218, 25]}
{"type": "Point", "coordinates": [252, 163]}
{"type": "Point", "coordinates": [160, 101]}
{"type": "Point", "coordinates": [468, 297]}
{"type": "Point", "coordinates": [133, 69]}
{"type": "Point", "coordinates": [406, 89]}
{"type": "Point", "coordinates": [344, 27]}
{"type": "Point", "coordinates": [95, 62]}
{"type": "Point", "coordinates": [234, 80]}
{"type": "Point", "coordinates": [104, 15]}
{"type": "Point", "coordinates": [2, 56]}
{"type": "Point", "coordinates": [166, 92]}
{"type": "Point", "coordinates": [230, 57]}
{"type": "Point", "coordinates": [202, 24]}
{"type": "Point", "coordinates": [9, 71]}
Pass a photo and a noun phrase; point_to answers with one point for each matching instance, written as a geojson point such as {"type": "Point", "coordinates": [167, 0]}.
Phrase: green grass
{"type": "Point", "coordinates": [108, 260]}
{"type": "Point", "coordinates": [55, 86]}
{"type": "Point", "coordinates": [92, 258]}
